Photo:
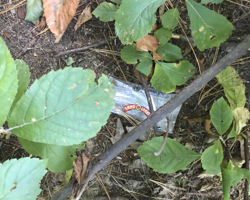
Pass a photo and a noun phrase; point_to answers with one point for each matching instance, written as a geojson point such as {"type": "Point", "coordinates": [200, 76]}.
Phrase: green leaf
{"type": "Point", "coordinates": [130, 55]}
{"type": "Point", "coordinates": [106, 11]}
{"type": "Point", "coordinates": [23, 76]}
{"type": "Point", "coordinates": [211, 1]}
{"type": "Point", "coordinates": [117, 1]}
{"type": "Point", "coordinates": [8, 81]}
{"type": "Point", "coordinates": [230, 178]}
{"type": "Point", "coordinates": [174, 156]}
{"type": "Point", "coordinates": [212, 157]}
{"type": "Point", "coordinates": [233, 87]}
{"type": "Point", "coordinates": [169, 52]}
{"type": "Point", "coordinates": [221, 116]}
{"type": "Point", "coordinates": [20, 179]}
{"type": "Point", "coordinates": [34, 10]}
{"type": "Point", "coordinates": [209, 29]}
{"type": "Point", "coordinates": [69, 61]}
{"type": "Point", "coordinates": [170, 18]}
{"type": "Point", "coordinates": [214, 171]}
{"type": "Point", "coordinates": [145, 67]}
{"type": "Point", "coordinates": [232, 133]}
{"type": "Point", "coordinates": [168, 75]}
{"type": "Point", "coordinates": [63, 108]}
{"type": "Point", "coordinates": [246, 174]}
{"type": "Point", "coordinates": [59, 157]}
{"type": "Point", "coordinates": [135, 19]}
{"type": "Point", "coordinates": [163, 35]}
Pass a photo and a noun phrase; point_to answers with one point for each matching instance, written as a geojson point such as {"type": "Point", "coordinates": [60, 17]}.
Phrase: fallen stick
{"type": "Point", "coordinates": [187, 92]}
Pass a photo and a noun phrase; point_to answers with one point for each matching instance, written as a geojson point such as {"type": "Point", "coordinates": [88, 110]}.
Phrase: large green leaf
{"type": "Point", "coordinates": [221, 116]}
{"type": "Point", "coordinates": [174, 156]}
{"type": "Point", "coordinates": [169, 52]}
{"type": "Point", "coordinates": [209, 29]}
{"type": "Point", "coordinates": [60, 158]}
{"type": "Point", "coordinates": [63, 108]}
{"type": "Point", "coordinates": [23, 76]}
{"type": "Point", "coordinates": [163, 35]}
{"type": "Point", "coordinates": [233, 87]}
{"type": "Point", "coordinates": [130, 55]}
{"type": "Point", "coordinates": [34, 10]}
{"type": "Point", "coordinates": [212, 157]}
{"type": "Point", "coordinates": [145, 67]}
{"type": "Point", "coordinates": [135, 19]}
{"type": "Point", "coordinates": [230, 177]}
{"type": "Point", "coordinates": [117, 1]}
{"type": "Point", "coordinates": [170, 18]}
{"type": "Point", "coordinates": [106, 11]}
{"type": "Point", "coordinates": [168, 75]}
{"type": "Point", "coordinates": [8, 81]}
{"type": "Point", "coordinates": [20, 179]}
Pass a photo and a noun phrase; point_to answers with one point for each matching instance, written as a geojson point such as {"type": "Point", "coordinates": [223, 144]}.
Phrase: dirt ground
{"type": "Point", "coordinates": [129, 178]}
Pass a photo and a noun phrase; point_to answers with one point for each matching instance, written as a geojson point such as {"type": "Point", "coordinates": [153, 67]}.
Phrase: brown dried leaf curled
{"type": "Point", "coordinates": [58, 15]}
{"type": "Point", "coordinates": [147, 43]}
{"type": "Point", "coordinates": [81, 164]}
{"type": "Point", "coordinates": [86, 15]}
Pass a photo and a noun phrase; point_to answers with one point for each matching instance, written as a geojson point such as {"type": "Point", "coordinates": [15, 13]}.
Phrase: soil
{"type": "Point", "coordinates": [129, 179]}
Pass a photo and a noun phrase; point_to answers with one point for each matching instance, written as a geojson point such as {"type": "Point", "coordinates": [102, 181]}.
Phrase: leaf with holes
{"type": "Point", "coordinates": [106, 11]}
{"type": "Point", "coordinates": [8, 81]}
{"type": "Point", "coordinates": [173, 157]}
{"type": "Point", "coordinates": [230, 177]}
{"type": "Point", "coordinates": [233, 87]}
{"type": "Point", "coordinates": [212, 157]}
{"type": "Point", "coordinates": [58, 15]}
{"type": "Point", "coordinates": [221, 116]}
{"type": "Point", "coordinates": [134, 23]}
{"type": "Point", "coordinates": [34, 10]}
{"type": "Point", "coordinates": [20, 179]}
{"type": "Point", "coordinates": [145, 67]}
{"type": "Point", "coordinates": [163, 35]}
{"type": "Point", "coordinates": [209, 29]}
{"type": "Point", "coordinates": [63, 107]}
{"type": "Point", "coordinates": [168, 75]}
{"type": "Point", "coordinates": [130, 55]}
{"type": "Point", "coordinates": [59, 157]}
{"type": "Point", "coordinates": [169, 52]}
{"type": "Point", "coordinates": [170, 18]}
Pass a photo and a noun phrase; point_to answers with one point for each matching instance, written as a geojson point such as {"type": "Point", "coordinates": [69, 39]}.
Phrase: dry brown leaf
{"type": "Point", "coordinates": [41, 24]}
{"type": "Point", "coordinates": [81, 164]}
{"type": "Point", "coordinates": [156, 56]}
{"type": "Point", "coordinates": [86, 15]}
{"type": "Point", "coordinates": [21, 12]}
{"type": "Point", "coordinates": [58, 15]}
{"type": "Point", "coordinates": [7, 35]}
{"type": "Point", "coordinates": [198, 120]}
{"type": "Point", "coordinates": [147, 43]}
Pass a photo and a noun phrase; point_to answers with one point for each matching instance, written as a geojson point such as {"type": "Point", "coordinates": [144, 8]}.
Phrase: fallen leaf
{"type": "Point", "coordinates": [198, 120]}
{"type": "Point", "coordinates": [41, 24]}
{"type": "Point", "coordinates": [21, 12]}
{"type": "Point", "coordinates": [208, 126]}
{"type": "Point", "coordinates": [58, 15]}
{"type": "Point", "coordinates": [81, 164]}
{"type": "Point", "coordinates": [241, 116]}
{"type": "Point", "coordinates": [7, 35]}
{"type": "Point", "coordinates": [147, 43]}
{"type": "Point", "coordinates": [84, 16]}
{"type": "Point", "coordinates": [156, 56]}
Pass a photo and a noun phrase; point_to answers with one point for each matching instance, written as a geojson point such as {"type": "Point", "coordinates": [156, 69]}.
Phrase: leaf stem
{"type": "Point", "coordinates": [164, 141]}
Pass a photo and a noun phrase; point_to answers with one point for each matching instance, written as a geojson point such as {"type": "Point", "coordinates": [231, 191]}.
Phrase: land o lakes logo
{"type": "Point", "coordinates": [136, 107]}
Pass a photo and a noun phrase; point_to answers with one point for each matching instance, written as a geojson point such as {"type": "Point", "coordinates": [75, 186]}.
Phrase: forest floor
{"type": "Point", "coordinates": [128, 177]}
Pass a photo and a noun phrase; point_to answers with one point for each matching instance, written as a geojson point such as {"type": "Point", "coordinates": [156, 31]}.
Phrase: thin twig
{"type": "Point", "coordinates": [164, 141]}
{"type": "Point", "coordinates": [84, 48]}
{"type": "Point", "coordinates": [150, 105]}
{"type": "Point", "coordinates": [247, 164]}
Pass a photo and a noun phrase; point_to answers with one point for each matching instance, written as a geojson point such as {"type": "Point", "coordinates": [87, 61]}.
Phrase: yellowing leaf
{"type": "Point", "coordinates": [147, 43]}
{"type": "Point", "coordinates": [58, 15]}
{"type": "Point", "coordinates": [86, 15]}
{"type": "Point", "coordinates": [241, 116]}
